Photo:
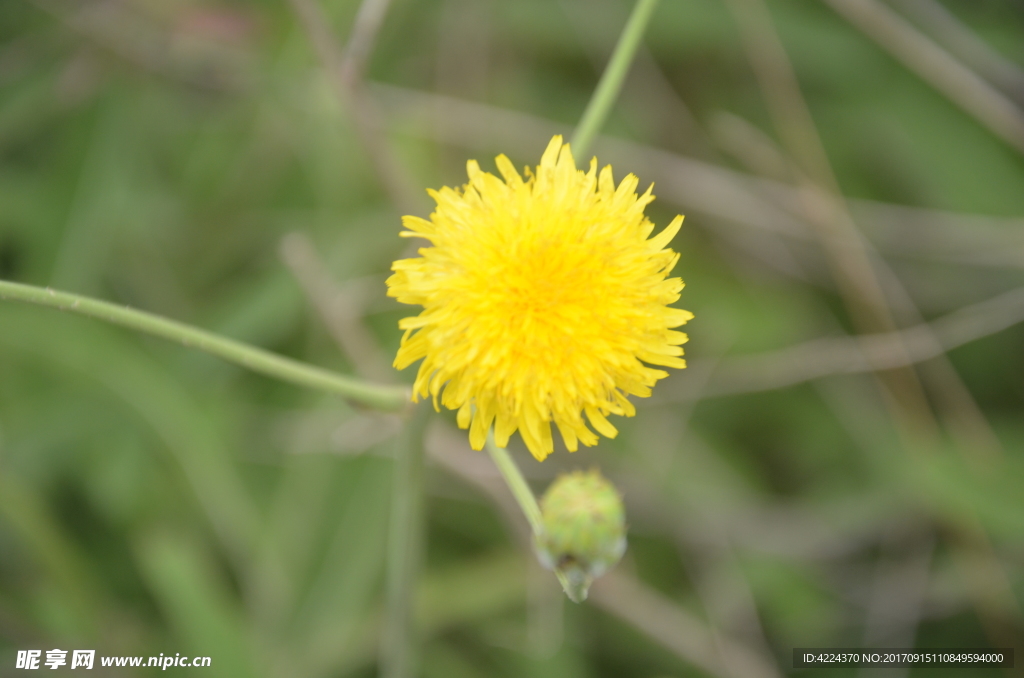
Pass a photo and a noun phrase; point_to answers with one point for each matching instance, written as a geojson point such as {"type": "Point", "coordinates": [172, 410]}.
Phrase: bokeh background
{"type": "Point", "coordinates": [847, 167]}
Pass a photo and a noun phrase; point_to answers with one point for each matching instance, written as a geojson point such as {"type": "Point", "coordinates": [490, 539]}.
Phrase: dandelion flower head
{"type": "Point", "coordinates": [543, 298]}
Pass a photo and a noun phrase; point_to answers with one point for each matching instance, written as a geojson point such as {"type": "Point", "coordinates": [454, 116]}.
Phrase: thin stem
{"type": "Point", "coordinates": [258, 360]}
{"type": "Point", "coordinates": [405, 535]}
{"type": "Point", "coordinates": [517, 483]}
{"type": "Point", "coordinates": [608, 88]}
{"type": "Point", "coordinates": [527, 502]}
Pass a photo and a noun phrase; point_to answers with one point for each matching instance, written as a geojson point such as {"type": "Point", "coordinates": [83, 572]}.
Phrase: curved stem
{"type": "Point", "coordinates": [603, 98]}
{"type": "Point", "coordinates": [527, 502]}
{"type": "Point", "coordinates": [258, 360]}
{"type": "Point", "coordinates": [517, 484]}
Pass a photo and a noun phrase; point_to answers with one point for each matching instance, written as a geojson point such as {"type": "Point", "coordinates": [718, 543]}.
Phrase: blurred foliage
{"type": "Point", "coordinates": [155, 500]}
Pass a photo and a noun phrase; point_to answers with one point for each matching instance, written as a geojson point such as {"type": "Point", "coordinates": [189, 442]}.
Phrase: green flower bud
{"type": "Point", "coordinates": [584, 529]}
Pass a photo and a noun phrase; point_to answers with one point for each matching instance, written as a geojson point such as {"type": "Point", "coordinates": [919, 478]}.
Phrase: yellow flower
{"type": "Point", "coordinates": [541, 298]}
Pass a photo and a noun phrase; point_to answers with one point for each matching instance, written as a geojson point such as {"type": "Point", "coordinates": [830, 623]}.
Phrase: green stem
{"type": "Point", "coordinates": [517, 483]}
{"type": "Point", "coordinates": [527, 502]}
{"type": "Point", "coordinates": [405, 534]}
{"type": "Point", "coordinates": [603, 98]}
{"type": "Point", "coordinates": [258, 360]}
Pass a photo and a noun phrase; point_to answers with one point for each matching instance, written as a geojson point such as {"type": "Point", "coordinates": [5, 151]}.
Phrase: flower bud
{"type": "Point", "coordinates": [584, 529]}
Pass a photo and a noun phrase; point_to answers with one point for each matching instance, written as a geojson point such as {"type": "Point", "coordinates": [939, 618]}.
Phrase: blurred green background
{"type": "Point", "coordinates": [211, 161]}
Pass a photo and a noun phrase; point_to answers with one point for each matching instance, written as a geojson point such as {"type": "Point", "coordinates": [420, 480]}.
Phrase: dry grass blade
{"type": "Point", "coordinates": [364, 35]}
{"type": "Point", "coordinates": [959, 39]}
{"type": "Point", "coordinates": [823, 205]}
{"type": "Point", "coordinates": [936, 66]}
{"type": "Point", "coordinates": [866, 353]}
{"type": "Point", "coordinates": [677, 630]}
{"type": "Point", "coordinates": [865, 295]}
{"type": "Point", "coordinates": [345, 74]}
{"type": "Point", "coordinates": [898, 590]}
